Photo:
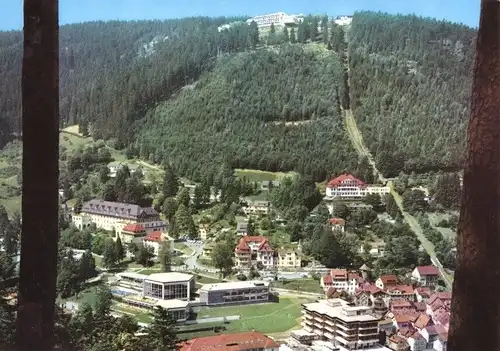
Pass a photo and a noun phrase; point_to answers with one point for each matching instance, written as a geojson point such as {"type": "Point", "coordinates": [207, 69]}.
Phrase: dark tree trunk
{"type": "Point", "coordinates": [40, 97]}
{"type": "Point", "coordinates": [475, 320]}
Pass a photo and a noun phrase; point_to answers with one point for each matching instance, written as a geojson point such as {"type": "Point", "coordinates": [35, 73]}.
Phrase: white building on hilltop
{"type": "Point", "coordinates": [348, 187]}
{"type": "Point", "coordinates": [278, 19]}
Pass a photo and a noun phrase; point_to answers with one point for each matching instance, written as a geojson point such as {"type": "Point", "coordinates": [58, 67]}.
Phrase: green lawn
{"type": "Point", "coordinates": [306, 285]}
{"type": "Point", "coordinates": [207, 280]}
{"type": "Point", "coordinates": [266, 318]}
{"type": "Point", "coordinates": [142, 315]}
{"type": "Point", "coordinates": [435, 218]}
{"type": "Point", "coordinates": [254, 175]}
{"type": "Point", "coordinates": [183, 247]}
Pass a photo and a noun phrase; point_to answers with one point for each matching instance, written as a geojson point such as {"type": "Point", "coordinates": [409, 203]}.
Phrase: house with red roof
{"type": "Point", "coordinates": [252, 249]}
{"type": "Point", "coordinates": [337, 224]}
{"type": "Point", "coordinates": [231, 342]}
{"type": "Point", "coordinates": [154, 240]}
{"type": "Point", "coordinates": [348, 187]}
{"type": "Point", "coordinates": [426, 275]}
{"type": "Point", "coordinates": [341, 279]}
{"type": "Point", "coordinates": [132, 233]}
{"type": "Point", "coordinates": [385, 281]}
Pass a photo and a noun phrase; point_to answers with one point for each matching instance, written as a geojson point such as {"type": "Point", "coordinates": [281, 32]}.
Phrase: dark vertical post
{"type": "Point", "coordinates": [475, 321]}
{"type": "Point", "coordinates": [40, 97]}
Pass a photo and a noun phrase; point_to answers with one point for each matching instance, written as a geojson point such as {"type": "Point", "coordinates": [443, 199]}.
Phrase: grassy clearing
{"type": "Point", "coordinates": [266, 318]}
{"type": "Point", "coordinates": [141, 315]}
{"type": "Point", "coordinates": [255, 175]}
{"type": "Point", "coordinates": [186, 250]}
{"type": "Point", "coordinates": [436, 218]}
{"type": "Point", "coordinates": [207, 280]}
{"type": "Point", "coordinates": [306, 285]}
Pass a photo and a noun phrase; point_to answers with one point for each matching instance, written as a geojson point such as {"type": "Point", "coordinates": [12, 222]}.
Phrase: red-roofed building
{"type": "Point", "coordinates": [231, 342]}
{"type": "Point", "coordinates": [422, 294]}
{"type": "Point", "coordinates": [417, 342]}
{"type": "Point", "coordinates": [341, 279]}
{"type": "Point", "coordinates": [401, 292]}
{"type": "Point", "coordinates": [253, 249]}
{"type": "Point", "coordinates": [154, 241]}
{"type": "Point", "coordinates": [385, 281]}
{"type": "Point", "coordinates": [426, 275]}
{"type": "Point", "coordinates": [397, 343]}
{"type": "Point", "coordinates": [346, 186]}
{"type": "Point", "coordinates": [132, 232]}
{"type": "Point", "coordinates": [337, 224]}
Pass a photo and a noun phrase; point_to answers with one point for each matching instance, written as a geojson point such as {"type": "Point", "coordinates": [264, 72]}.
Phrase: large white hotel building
{"type": "Point", "coordinates": [278, 19]}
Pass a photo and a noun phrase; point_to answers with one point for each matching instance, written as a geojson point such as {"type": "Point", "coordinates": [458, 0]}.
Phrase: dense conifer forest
{"type": "Point", "coordinates": [183, 92]}
{"type": "Point", "coordinates": [410, 89]}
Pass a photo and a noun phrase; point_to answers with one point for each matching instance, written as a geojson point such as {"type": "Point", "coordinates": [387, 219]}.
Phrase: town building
{"type": "Point", "coordinates": [172, 291]}
{"type": "Point", "coordinates": [289, 258]}
{"type": "Point", "coordinates": [257, 207]}
{"type": "Point", "coordinates": [373, 248]}
{"type": "Point", "coordinates": [337, 224]}
{"type": "Point", "coordinates": [348, 187]}
{"type": "Point", "coordinates": [114, 167]}
{"type": "Point", "coordinates": [113, 216]}
{"type": "Point", "coordinates": [385, 281]}
{"type": "Point", "coordinates": [267, 185]}
{"type": "Point", "coordinates": [234, 292]}
{"type": "Point", "coordinates": [336, 321]}
{"type": "Point", "coordinates": [277, 19]}
{"type": "Point", "coordinates": [341, 279]}
{"type": "Point", "coordinates": [426, 275]}
{"type": "Point", "coordinates": [132, 233]}
{"type": "Point", "coordinates": [242, 227]}
{"type": "Point", "coordinates": [247, 341]}
{"type": "Point", "coordinates": [154, 241]}
{"type": "Point", "coordinates": [253, 249]}
{"type": "Point", "coordinates": [343, 20]}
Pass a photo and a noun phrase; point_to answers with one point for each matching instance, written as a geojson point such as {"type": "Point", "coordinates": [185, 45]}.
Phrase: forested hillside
{"type": "Point", "coordinates": [237, 114]}
{"type": "Point", "coordinates": [410, 89]}
{"type": "Point", "coordinates": [112, 71]}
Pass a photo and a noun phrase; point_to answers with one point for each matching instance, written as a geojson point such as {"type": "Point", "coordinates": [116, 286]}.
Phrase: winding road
{"type": "Point", "coordinates": [360, 147]}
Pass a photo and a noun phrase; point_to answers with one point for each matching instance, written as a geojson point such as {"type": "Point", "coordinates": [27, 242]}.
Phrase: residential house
{"type": "Point", "coordinates": [337, 224]}
{"type": "Point", "coordinates": [154, 240]}
{"type": "Point", "coordinates": [348, 187]}
{"type": "Point", "coordinates": [438, 307]}
{"type": "Point", "coordinates": [267, 185]}
{"type": "Point", "coordinates": [386, 326]}
{"type": "Point", "coordinates": [403, 321]}
{"type": "Point", "coordinates": [289, 258]}
{"type": "Point", "coordinates": [422, 294]}
{"type": "Point", "coordinates": [207, 251]}
{"type": "Point", "coordinates": [385, 281]}
{"type": "Point", "coordinates": [132, 233]}
{"type": "Point", "coordinates": [370, 295]}
{"type": "Point", "coordinates": [397, 343]}
{"type": "Point", "coordinates": [400, 292]}
{"type": "Point", "coordinates": [242, 227]}
{"type": "Point", "coordinates": [341, 279]}
{"type": "Point", "coordinates": [423, 321]}
{"type": "Point", "coordinates": [374, 248]}
{"type": "Point", "coordinates": [417, 342]}
{"type": "Point", "coordinates": [333, 293]}
{"type": "Point", "coordinates": [257, 207]}
{"type": "Point", "coordinates": [253, 249]}
{"type": "Point", "coordinates": [426, 275]}
{"type": "Point", "coordinates": [203, 231]}
{"type": "Point", "coordinates": [113, 216]}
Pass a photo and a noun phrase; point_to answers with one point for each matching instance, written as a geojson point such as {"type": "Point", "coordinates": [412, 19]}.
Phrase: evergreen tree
{"type": "Point", "coordinates": [169, 208]}
{"type": "Point", "coordinates": [286, 36]}
{"type": "Point", "coordinates": [120, 252]}
{"type": "Point", "coordinates": [144, 255]}
{"type": "Point", "coordinates": [162, 330]}
{"type": "Point", "coordinates": [222, 256]}
{"type": "Point", "coordinates": [77, 208]}
{"type": "Point", "coordinates": [103, 302]}
{"type": "Point", "coordinates": [110, 255]}
{"type": "Point", "coordinates": [314, 29]}
{"type": "Point", "coordinates": [183, 197]}
{"type": "Point", "coordinates": [198, 200]}
{"type": "Point", "coordinates": [165, 257]}
{"type": "Point", "coordinates": [271, 37]}
{"type": "Point", "coordinates": [293, 38]}
{"type": "Point", "coordinates": [87, 266]}
{"type": "Point", "coordinates": [254, 34]}
{"type": "Point", "coordinates": [324, 29]}
{"type": "Point", "coordinates": [170, 182]}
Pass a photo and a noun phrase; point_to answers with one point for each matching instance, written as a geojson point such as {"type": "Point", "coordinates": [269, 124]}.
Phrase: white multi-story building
{"type": "Point", "coordinates": [278, 19]}
{"type": "Point", "coordinates": [341, 279]}
{"type": "Point", "coordinates": [334, 320]}
{"type": "Point", "coordinates": [234, 292]}
{"type": "Point", "coordinates": [348, 187]}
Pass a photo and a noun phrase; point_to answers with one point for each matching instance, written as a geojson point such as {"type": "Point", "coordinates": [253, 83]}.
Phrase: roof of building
{"type": "Point", "coordinates": [364, 267]}
{"type": "Point", "coordinates": [234, 285]}
{"type": "Point", "coordinates": [403, 318]}
{"type": "Point", "coordinates": [133, 228]}
{"type": "Point", "coordinates": [337, 308]}
{"type": "Point", "coordinates": [427, 270]}
{"type": "Point", "coordinates": [401, 303]}
{"type": "Point", "coordinates": [154, 237]}
{"type": "Point", "coordinates": [245, 240]}
{"type": "Point", "coordinates": [336, 221]}
{"type": "Point", "coordinates": [403, 289]}
{"type": "Point", "coordinates": [132, 275]}
{"type": "Point", "coordinates": [169, 277]}
{"type": "Point", "coordinates": [332, 293]}
{"type": "Point", "coordinates": [370, 289]}
{"type": "Point", "coordinates": [335, 182]}
{"type": "Point", "coordinates": [389, 279]}
{"type": "Point", "coordinates": [424, 292]}
{"type": "Point", "coordinates": [230, 342]}
{"type": "Point", "coordinates": [172, 304]}
{"type": "Point", "coordinates": [397, 339]}
{"type": "Point", "coordinates": [423, 321]}
{"type": "Point", "coordinates": [117, 209]}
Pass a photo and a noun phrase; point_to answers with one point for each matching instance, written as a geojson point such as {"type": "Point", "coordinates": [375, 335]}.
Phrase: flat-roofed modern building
{"type": "Point", "coordinates": [234, 292]}
{"type": "Point", "coordinates": [336, 321]}
{"type": "Point", "coordinates": [169, 286]}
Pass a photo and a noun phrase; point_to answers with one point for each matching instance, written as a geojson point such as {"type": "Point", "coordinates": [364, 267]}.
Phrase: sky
{"type": "Point", "coordinates": [75, 11]}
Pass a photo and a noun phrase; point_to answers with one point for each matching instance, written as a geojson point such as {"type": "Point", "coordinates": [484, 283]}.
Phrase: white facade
{"type": "Point", "coordinates": [278, 19]}
{"type": "Point", "coordinates": [350, 191]}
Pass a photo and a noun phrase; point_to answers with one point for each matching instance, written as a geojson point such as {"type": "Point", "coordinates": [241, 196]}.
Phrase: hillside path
{"type": "Point", "coordinates": [357, 141]}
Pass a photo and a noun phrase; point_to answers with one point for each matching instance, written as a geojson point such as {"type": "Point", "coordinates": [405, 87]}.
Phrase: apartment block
{"type": "Point", "coordinates": [344, 325]}
{"type": "Point", "coordinates": [234, 292]}
{"type": "Point", "coordinates": [348, 187]}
